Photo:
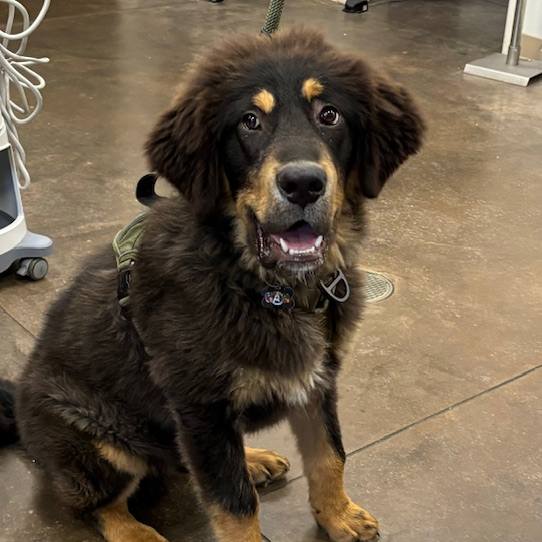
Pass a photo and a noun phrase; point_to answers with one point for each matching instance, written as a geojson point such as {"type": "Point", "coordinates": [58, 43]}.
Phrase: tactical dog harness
{"type": "Point", "coordinates": [126, 246]}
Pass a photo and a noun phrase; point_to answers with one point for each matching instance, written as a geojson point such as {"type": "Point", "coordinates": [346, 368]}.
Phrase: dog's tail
{"type": "Point", "coordinates": [8, 426]}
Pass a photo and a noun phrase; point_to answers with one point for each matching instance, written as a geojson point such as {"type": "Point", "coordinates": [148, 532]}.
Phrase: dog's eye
{"type": "Point", "coordinates": [251, 121]}
{"type": "Point", "coordinates": [329, 115]}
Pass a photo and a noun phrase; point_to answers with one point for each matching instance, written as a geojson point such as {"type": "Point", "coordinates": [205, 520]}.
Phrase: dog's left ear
{"type": "Point", "coordinates": [394, 131]}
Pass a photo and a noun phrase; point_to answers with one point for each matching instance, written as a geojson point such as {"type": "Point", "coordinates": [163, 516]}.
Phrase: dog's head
{"type": "Point", "coordinates": [285, 135]}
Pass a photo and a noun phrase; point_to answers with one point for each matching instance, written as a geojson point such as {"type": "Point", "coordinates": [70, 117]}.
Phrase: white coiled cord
{"type": "Point", "coordinates": [17, 78]}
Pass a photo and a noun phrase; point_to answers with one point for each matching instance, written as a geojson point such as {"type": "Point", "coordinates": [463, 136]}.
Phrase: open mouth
{"type": "Point", "coordinates": [298, 246]}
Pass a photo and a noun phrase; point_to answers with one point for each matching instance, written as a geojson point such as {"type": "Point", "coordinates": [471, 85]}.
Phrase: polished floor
{"type": "Point", "coordinates": [441, 399]}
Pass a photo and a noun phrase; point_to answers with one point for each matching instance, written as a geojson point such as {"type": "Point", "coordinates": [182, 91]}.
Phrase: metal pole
{"type": "Point", "coordinates": [508, 68]}
{"type": "Point", "coordinates": [512, 58]}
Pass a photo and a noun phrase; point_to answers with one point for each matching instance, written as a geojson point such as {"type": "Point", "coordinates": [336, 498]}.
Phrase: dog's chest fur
{"type": "Point", "coordinates": [253, 386]}
{"type": "Point", "coordinates": [304, 371]}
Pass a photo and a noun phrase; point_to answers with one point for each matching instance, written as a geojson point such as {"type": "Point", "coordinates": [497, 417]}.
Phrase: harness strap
{"type": "Point", "coordinates": [125, 247]}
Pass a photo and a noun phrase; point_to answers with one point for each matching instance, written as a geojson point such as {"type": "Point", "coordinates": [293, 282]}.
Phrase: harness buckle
{"type": "Point", "coordinates": [123, 285]}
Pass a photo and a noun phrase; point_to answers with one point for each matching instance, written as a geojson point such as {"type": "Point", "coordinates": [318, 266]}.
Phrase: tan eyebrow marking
{"type": "Point", "coordinates": [312, 88]}
{"type": "Point", "coordinates": [264, 100]}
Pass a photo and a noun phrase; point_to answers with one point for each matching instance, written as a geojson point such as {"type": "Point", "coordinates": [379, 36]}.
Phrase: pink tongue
{"type": "Point", "coordinates": [300, 238]}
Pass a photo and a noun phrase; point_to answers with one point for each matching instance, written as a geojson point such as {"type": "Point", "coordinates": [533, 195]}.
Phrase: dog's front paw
{"type": "Point", "coordinates": [265, 466]}
{"type": "Point", "coordinates": [349, 524]}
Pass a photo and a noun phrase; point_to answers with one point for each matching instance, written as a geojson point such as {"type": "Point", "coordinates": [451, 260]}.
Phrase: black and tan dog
{"type": "Point", "coordinates": [273, 145]}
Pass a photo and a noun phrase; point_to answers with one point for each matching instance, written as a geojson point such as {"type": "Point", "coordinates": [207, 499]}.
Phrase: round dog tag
{"type": "Point", "coordinates": [278, 297]}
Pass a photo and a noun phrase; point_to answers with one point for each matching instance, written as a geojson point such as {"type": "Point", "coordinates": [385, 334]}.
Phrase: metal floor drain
{"type": "Point", "coordinates": [376, 287]}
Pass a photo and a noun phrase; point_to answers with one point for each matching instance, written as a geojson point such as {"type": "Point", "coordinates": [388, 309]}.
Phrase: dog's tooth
{"type": "Point", "coordinates": [319, 241]}
{"type": "Point", "coordinates": [284, 245]}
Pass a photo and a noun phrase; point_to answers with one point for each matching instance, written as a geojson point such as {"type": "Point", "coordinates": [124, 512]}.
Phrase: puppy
{"type": "Point", "coordinates": [244, 295]}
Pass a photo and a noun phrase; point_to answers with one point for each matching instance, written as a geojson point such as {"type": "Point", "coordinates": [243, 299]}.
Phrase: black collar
{"type": "Point", "coordinates": [334, 288]}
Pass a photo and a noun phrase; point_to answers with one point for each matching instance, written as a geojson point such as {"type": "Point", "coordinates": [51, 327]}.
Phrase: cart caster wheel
{"type": "Point", "coordinates": [33, 268]}
{"type": "Point", "coordinates": [356, 6]}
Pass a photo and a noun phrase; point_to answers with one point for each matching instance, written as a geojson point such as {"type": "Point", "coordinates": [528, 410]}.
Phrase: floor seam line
{"type": "Point", "coordinates": [17, 322]}
{"type": "Point", "coordinates": [109, 12]}
{"type": "Point", "coordinates": [448, 408]}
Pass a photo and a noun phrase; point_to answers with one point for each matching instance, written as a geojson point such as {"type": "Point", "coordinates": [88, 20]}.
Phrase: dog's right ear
{"type": "Point", "coordinates": [182, 148]}
{"type": "Point", "coordinates": [395, 132]}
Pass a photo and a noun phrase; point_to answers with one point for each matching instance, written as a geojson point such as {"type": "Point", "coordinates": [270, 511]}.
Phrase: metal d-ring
{"type": "Point", "coordinates": [329, 290]}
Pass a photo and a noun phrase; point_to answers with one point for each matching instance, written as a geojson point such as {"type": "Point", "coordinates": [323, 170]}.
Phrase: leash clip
{"type": "Point", "coordinates": [330, 290]}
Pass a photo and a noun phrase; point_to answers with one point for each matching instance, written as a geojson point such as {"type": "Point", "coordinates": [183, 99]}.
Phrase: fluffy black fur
{"type": "Point", "coordinates": [8, 428]}
{"type": "Point", "coordinates": [175, 391]}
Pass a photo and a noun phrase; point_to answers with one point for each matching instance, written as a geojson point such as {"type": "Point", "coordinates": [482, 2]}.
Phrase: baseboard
{"type": "Point", "coordinates": [531, 47]}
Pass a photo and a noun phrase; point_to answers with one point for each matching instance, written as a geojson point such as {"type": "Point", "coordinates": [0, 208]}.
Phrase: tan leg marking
{"type": "Point", "coordinates": [122, 460]}
{"type": "Point", "coordinates": [343, 520]}
{"type": "Point", "coordinates": [229, 528]}
{"type": "Point", "coordinates": [118, 525]}
{"type": "Point", "coordinates": [265, 466]}
{"type": "Point", "coordinates": [116, 522]}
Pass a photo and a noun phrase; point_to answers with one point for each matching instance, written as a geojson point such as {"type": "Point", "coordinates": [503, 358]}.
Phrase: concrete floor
{"type": "Point", "coordinates": [441, 400]}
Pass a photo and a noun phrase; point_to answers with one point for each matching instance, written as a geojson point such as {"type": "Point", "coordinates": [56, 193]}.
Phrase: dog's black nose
{"type": "Point", "coordinates": [301, 183]}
